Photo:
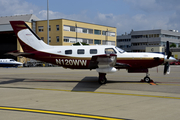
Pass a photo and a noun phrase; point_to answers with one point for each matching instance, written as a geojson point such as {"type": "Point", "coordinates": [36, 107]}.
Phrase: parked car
{"type": "Point", "coordinates": [175, 63]}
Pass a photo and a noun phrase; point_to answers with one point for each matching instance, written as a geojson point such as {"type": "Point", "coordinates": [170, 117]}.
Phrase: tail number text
{"type": "Point", "coordinates": [71, 62]}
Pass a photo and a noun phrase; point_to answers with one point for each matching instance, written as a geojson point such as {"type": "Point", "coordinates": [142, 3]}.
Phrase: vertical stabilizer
{"type": "Point", "coordinates": [27, 38]}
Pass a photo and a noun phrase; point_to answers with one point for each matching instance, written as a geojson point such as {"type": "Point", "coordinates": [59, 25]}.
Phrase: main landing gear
{"type": "Point", "coordinates": [102, 78]}
{"type": "Point", "coordinates": [147, 78]}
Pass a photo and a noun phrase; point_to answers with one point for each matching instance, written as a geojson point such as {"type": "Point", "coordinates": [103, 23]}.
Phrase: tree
{"type": "Point", "coordinates": [79, 43]}
{"type": "Point", "coordinates": [173, 45]}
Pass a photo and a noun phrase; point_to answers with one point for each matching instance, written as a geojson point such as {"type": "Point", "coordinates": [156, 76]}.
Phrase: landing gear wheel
{"type": "Point", "coordinates": [147, 79]}
{"type": "Point", "coordinates": [102, 78]}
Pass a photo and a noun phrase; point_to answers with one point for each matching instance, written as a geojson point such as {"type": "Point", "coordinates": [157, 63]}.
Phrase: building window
{"type": "Point", "coordinates": [57, 27]}
{"type": "Point", "coordinates": [66, 28]}
{"type": "Point", "coordinates": [85, 30]}
{"type": "Point", "coordinates": [113, 34]}
{"type": "Point", "coordinates": [93, 51]}
{"type": "Point", "coordinates": [49, 39]}
{"type": "Point", "coordinates": [90, 31]}
{"type": "Point", "coordinates": [57, 38]}
{"type": "Point", "coordinates": [68, 51]}
{"type": "Point", "coordinates": [49, 28]}
{"type": "Point", "coordinates": [80, 51]}
{"type": "Point", "coordinates": [106, 42]}
{"type": "Point", "coordinates": [97, 41]}
{"type": "Point", "coordinates": [104, 32]}
{"type": "Point", "coordinates": [66, 40]}
{"type": "Point", "coordinates": [90, 41]}
{"type": "Point", "coordinates": [42, 38]}
{"type": "Point", "coordinates": [97, 32]}
{"type": "Point", "coordinates": [72, 28]}
{"type": "Point", "coordinates": [40, 28]}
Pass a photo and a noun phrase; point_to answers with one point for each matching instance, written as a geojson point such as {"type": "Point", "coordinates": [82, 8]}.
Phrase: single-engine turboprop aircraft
{"type": "Point", "coordinates": [104, 58]}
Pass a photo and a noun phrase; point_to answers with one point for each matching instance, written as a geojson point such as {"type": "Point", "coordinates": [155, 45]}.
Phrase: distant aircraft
{"type": "Point", "coordinates": [9, 63]}
{"type": "Point", "coordinates": [104, 58]}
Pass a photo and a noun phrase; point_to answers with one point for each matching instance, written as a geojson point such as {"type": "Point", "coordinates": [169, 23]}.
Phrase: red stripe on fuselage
{"type": "Point", "coordinates": [141, 63]}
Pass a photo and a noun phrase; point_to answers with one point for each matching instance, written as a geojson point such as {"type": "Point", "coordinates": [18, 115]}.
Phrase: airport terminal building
{"type": "Point", "coordinates": [61, 32]}
{"type": "Point", "coordinates": [149, 40]}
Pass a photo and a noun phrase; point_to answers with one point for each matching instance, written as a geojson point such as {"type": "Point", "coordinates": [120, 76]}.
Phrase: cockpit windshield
{"type": "Point", "coordinates": [120, 50]}
{"type": "Point", "coordinates": [12, 60]}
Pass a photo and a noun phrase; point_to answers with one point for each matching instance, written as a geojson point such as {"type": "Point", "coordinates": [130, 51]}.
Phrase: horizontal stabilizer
{"type": "Point", "coordinates": [17, 53]}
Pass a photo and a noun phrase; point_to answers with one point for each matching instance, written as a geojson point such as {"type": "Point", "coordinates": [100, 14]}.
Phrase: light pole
{"type": "Point", "coordinates": [48, 22]}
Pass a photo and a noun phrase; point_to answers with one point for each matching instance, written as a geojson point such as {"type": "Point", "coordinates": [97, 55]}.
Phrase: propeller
{"type": "Point", "coordinates": [168, 54]}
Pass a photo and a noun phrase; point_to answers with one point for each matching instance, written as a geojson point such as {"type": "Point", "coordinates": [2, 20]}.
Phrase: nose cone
{"type": "Point", "coordinates": [171, 59]}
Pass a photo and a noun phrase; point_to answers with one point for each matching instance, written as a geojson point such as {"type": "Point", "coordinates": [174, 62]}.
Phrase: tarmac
{"type": "Point", "coordinates": [55, 93]}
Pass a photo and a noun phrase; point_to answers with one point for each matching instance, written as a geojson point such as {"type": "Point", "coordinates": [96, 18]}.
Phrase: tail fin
{"type": "Point", "coordinates": [27, 38]}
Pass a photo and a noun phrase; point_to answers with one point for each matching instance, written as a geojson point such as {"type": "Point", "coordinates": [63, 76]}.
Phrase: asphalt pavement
{"type": "Point", "coordinates": [55, 93]}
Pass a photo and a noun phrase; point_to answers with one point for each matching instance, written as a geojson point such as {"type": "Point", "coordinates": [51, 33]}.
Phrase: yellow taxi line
{"type": "Point", "coordinates": [59, 113]}
{"type": "Point", "coordinates": [141, 95]}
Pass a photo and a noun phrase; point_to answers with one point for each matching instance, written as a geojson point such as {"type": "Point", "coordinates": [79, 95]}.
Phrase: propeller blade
{"type": "Point", "coordinates": [168, 72]}
{"type": "Point", "coordinates": [168, 52]}
{"type": "Point", "coordinates": [166, 67]}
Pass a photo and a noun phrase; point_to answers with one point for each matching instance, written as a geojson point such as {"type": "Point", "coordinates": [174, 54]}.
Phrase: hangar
{"type": "Point", "coordinates": [7, 37]}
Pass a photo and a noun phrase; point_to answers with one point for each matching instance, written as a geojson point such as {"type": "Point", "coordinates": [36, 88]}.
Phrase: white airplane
{"type": "Point", "coordinates": [9, 63]}
{"type": "Point", "coordinates": [104, 58]}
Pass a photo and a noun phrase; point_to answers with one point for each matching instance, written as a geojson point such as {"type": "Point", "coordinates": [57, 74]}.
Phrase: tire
{"type": "Point", "coordinates": [102, 80]}
{"type": "Point", "coordinates": [147, 79]}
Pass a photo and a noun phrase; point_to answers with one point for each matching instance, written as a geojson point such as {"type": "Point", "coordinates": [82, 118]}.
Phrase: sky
{"type": "Point", "coordinates": [125, 15]}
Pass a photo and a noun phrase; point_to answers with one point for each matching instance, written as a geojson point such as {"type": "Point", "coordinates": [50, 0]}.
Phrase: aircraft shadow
{"type": "Point", "coordinates": [12, 81]}
{"type": "Point", "coordinates": [87, 84]}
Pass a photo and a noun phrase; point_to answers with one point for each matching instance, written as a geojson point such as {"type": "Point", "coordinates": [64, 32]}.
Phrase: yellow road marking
{"type": "Point", "coordinates": [169, 84]}
{"type": "Point", "coordinates": [111, 93]}
{"type": "Point", "coordinates": [154, 96]}
{"type": "Point", "coordinates": [59, 113]}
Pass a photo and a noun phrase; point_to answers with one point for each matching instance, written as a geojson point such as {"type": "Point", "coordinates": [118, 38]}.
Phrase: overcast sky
{"type": "Point", "coordinates": [125, 15]}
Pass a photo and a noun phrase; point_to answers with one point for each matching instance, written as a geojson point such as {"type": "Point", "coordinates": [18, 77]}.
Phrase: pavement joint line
{"type": "Point", "coordinates": [71, 114]}
{"type": "Point", "coordinates": [126, 94]}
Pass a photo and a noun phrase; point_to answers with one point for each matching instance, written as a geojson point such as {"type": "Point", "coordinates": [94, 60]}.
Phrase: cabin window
{"type": "Point", "coordinates": [80, 51]}
{"type": "Point", "coordinates": [68, 51]}
{"type": "Point", "coordinates": [93, 51]}
{"type": "Point", "coordinates": [110, 51]}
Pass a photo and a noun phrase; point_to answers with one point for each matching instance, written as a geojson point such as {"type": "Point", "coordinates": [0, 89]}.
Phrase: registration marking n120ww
{"type": "Point", "coordinates": [71, 62]}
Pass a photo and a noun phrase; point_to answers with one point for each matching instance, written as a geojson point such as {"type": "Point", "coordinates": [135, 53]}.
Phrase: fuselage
{"type": "Point", "coordinates": [9, 63]}
{"type": "Point", "coordinates": [79, 57]}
